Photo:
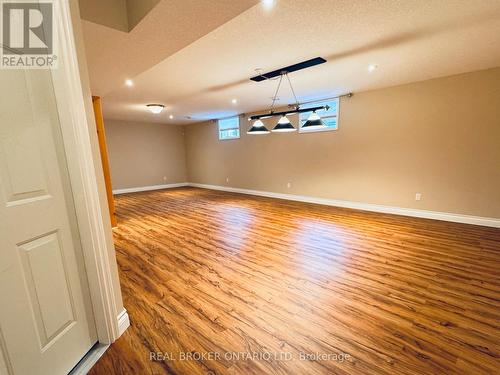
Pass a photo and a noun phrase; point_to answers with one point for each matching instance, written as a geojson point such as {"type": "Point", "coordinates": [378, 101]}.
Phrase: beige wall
{"type": "Point", "coordinates": [142, 154]}
{"type": "Point", "coordinates": [439, 137]}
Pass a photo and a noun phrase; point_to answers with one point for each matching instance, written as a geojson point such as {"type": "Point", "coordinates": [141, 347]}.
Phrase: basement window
{"type": "Point", "coordinates": [330, 117]}
{"type": "Point", "coordinates": [229, 128]}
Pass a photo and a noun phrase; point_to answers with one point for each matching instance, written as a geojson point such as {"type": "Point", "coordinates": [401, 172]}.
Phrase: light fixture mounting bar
{"type": "Point", "coordinates": [289, 69]}
{"type": "Point", "coordinates": [291, 111]}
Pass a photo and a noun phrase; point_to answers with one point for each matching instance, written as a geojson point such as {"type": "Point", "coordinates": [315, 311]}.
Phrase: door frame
{"type": "Point", "coordinates": [92, 224]}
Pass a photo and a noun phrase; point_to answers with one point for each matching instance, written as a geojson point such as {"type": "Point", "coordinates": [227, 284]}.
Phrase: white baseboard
{"type": "Point", "coordinates": [123, 322]}
{"type": "Point", "coordinates": [446, 216]}
{"type": "Point", "coordinates": [148, 188]}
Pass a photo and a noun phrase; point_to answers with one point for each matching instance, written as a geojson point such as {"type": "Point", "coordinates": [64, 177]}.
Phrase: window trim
{"type": "Point", "coordinates": [306, 131]}
{"type": "Point", "coordinates": [238, 128]}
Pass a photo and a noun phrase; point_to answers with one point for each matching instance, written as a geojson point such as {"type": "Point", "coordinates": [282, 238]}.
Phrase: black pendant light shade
{"type": "Point", "coordinates": [258, 128]}
{"type": "Point", "coordinates": [314, 122]}
{"type": "Point", "coordinates": [284, 125]}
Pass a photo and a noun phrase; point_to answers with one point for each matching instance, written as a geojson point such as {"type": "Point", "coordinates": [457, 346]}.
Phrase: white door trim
{"type": "Point", "coordinates": [76, 138]}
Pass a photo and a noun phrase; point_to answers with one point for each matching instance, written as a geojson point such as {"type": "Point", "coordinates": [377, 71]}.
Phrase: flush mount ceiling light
{"type": "Point", "coordinates": [372, 67]}
{"type": "Point", "coordinates": [155, 108]}
{"type": "Point", "coordinates": [258, 127]}
{"type": "Point", "coordinates": [129, 82]}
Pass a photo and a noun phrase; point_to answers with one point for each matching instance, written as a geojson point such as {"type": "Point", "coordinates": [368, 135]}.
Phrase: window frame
{"type": "Point", "coordinates": [219, 129]}
{"type": "Point", "coordinates": [327, 129]}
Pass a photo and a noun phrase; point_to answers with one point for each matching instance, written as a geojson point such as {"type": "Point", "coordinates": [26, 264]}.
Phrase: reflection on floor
{"type": "Point", "coordinates": [225, 283]}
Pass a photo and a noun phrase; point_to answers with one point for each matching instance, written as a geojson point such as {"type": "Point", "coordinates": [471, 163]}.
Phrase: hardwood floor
{"type": "Point", "coordinates": [236, 276]}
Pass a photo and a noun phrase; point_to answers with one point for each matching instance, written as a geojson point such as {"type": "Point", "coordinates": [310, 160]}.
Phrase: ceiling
{"type": "Point", "coordinates": [200, 63]}
{"type": "Point", "coordinates": [114, 55]}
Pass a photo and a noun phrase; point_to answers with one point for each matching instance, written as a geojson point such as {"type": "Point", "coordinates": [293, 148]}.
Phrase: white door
{"type": "Point", "coordinates": [46, 320]}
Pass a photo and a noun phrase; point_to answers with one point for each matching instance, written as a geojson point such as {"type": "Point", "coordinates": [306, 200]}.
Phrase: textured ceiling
{"type": "Point", "coordinates": [409, 40]}
{"type": "Point", "coordinates": [114, 55]}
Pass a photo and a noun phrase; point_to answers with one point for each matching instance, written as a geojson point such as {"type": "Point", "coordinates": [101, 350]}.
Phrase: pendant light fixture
{"type": "Point", "coordinates": [283, 125]}
{"type": "Point", "coordinates": [258, 127]}
{"type": "Point", "coordinates": [314, 122]}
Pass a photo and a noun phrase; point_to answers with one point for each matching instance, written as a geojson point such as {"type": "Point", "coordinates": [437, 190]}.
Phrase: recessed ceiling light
{"type": "Point", "coordinates": [129, 82]}
{"type": "Point", "coordinates": [171, 117]}
{"type": "Point", "coordinates": [234, 101]}
{"type": "Point", "coordinates": [155, 108]}
{"type": "Point", "coordinates": [372, 67]}
{"type": "Point", "coordinates": [268, 4]}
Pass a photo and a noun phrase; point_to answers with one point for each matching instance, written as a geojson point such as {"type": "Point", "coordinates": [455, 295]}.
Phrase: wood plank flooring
{"type": "Point", "coordinates": [267, 286]}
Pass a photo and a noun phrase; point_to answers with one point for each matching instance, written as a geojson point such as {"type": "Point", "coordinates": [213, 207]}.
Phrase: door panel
{"type": "Point", "coordinates": [21, 164]}
{"type": "Point", "coordinates": [44, 275]}
{"type": "Point", "coordinates": [45, 308]}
